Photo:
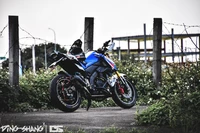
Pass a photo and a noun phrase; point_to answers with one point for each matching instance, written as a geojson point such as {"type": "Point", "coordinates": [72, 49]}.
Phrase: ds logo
{"type": "Point", "coordinates": [56, 129]}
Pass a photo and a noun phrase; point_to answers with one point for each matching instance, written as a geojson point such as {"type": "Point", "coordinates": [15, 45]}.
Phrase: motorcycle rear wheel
{"type": "Point", "coordinates": [64, 95]}
{"type": "Point", "coordinates": [123, 96]}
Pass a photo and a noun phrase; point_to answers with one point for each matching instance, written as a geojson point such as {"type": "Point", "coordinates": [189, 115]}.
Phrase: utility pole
{"type": "Point", "coordinates": [145, 46]}
{"type": "Point", "coordinates": [157, 43]}
{"type": "Point", "coordinates": [88, 34]}
{"type": "Point", "coordinates": [54, 33]}
{"type": "Point", "coordinates": [199, 47]}
{"type": "Point", "coordinates": [14, 52]}
{"type": "Point", "coordinates": [45, 55]}
{"type": "Point", "coordinates": [33, 56]}
{"type": "Point", "coordinates": [20, 63]}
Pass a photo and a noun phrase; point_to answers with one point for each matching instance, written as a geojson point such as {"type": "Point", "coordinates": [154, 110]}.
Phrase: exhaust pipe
{"type": "Point", "coordinates": [82, 84]}
{"type": "Point", "coordinates": [80, 80]}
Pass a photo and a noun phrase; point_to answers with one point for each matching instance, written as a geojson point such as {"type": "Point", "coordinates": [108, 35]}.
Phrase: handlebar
{"type": "Point", "coordinates": [104, 48]}
{"type": "Point", "coordinates": [106, 43]}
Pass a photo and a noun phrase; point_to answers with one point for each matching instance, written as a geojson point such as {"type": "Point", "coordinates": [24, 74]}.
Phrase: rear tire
{"type": "Point", "coordinates": [64, 95]}
{"type": "Point", "coordinates": [127, 99]}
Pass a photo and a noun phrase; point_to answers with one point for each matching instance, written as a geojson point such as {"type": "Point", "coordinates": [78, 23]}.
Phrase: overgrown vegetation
{"type": "Point", "coordinates": [33, 92]}
{"type": "Point", "coordinates": [8, 97]}
{"type": "Point", "coordinates": [140, 75]}
{"type": "Point", "coordinates": [175, 104]}
{"type": "Point", "coordinates": [179, 102]}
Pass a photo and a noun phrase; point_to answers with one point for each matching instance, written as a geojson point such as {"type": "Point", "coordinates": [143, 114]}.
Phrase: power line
{"type": "Point", "coordinates": [182, 51]}
{"type": "Point", "coordinates": [27, 32]}
{"type": "Point", "coordinates": [3, 30]}
{"type": "Point", "coordinates": [190, 37]}
{"type": "Point", "coordinates": [170, 36]}
{"type": "Point", "coordinates": [86, 30]}
{"type": "Point", "coordinates": [150, 37]}
{"type": "Point", "coordinates": [182, 25]}
{"type": "Point", "coordinates": [37, 38]}
{"type": "Point", "coordinates": [185, 30]}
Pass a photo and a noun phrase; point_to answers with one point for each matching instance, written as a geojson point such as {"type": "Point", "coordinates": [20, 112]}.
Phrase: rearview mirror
{"type": "Point", "coordinates": [110, 48]}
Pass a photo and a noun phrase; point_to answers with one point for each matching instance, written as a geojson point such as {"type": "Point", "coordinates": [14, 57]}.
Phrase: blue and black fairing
{"type": "Point", "coordinates": [93, 57]}
{"type": "Point", "coordinates": [97, 64]}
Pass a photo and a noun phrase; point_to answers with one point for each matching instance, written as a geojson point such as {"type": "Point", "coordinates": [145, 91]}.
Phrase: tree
{"type": "Point", "coordinates": [39, 55]}
{"type": "Point", "coordinates": [26, 56]}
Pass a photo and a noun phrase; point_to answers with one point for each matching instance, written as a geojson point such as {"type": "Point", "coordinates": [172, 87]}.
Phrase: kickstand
{"type": "Point", "coordinates": [89, 104]}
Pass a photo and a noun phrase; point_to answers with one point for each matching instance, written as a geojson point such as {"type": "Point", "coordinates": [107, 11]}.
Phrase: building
{"type": "Point", "coordinates": [170, 42]}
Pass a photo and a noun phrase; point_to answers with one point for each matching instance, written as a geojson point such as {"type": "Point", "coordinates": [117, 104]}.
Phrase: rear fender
{"type": "Point", "coordinates": [65, 73]}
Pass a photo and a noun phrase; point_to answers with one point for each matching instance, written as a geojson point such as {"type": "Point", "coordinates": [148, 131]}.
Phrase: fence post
{"type": "Point", "coordinates": [172, 36]}
{"type": "Point", "coordinates": [88, 35]}
{"type": "Point", "coordinates": [199, 47]}
{"type": "Point", "coordinates": [128, 51]}
{"type": "Point", "coordinates": [182, 50]}
{"type": "Point", "coordinates": [14, 52]}
{"type": "Point", "coordinates": [157, 43]}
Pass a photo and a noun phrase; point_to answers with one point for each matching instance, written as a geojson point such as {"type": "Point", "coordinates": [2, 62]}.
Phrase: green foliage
{"type": "Point", "coordinates": [34, 89]}
{"type": "Point", "coordinates": [179, 103]}
{"type": "Point", "coordinates": [182, 87]}
{"type": "Point", "coordinates": [26, 56]}
{"type": "Point", "coordinates": [176, 103]}
{"type": "Point", "coordinates": [184, 112]}
{"type": "Point", "coordinates": [23, 107]}
{"type": "Point", "coordinates": [156, 114]}
{"type": "Point", "coordinates": [140, 75]}
{"type": "Point", "coordinates": [111, 130]}
{"type": "Point", "coordinates": [105, 103]}
{"type": "Point", "coordinates": [8, 97]}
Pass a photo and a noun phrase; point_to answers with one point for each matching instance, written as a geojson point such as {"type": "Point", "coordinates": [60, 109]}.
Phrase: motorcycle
{"type": "Point", "coordinates": [91, 76]}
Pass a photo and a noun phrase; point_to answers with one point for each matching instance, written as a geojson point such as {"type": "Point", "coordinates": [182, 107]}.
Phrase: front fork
{"type": "Point", "coordinates": [122, 78]}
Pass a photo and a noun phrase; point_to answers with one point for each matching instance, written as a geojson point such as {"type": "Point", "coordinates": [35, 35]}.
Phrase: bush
{"type": "Point", "coordinates": [180, 92]}
{"type": "Point", "coordinates": [35, 94]}
{"type": "Point", "coordinates": [105, 103]}
{"type": "Point", "coordinates": [140, 75]}
{"type": "Point", "coordinates": [176, 103]}
{"type": "Point", "coordinates": [156, 114]}
{"type": "Point", "coordinates": [184, 112]}
{"type": "Point", "coordinates": [34, 89]}
{"type": "Point", "coordinates": [8, 97]}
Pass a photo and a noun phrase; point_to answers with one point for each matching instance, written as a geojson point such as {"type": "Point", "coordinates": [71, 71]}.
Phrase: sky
{"type": "Point", "coordinates": [112, 18]}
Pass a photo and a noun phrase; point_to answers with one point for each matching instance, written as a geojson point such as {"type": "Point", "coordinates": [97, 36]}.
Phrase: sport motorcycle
{"type": "Point", "coordinates": [90, 76]}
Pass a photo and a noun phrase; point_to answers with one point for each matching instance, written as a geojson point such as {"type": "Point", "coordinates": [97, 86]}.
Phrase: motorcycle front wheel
{"type": "Point", "coordinates": [124, 95]}
{"type": "Point", "coordinates": [63, 93]}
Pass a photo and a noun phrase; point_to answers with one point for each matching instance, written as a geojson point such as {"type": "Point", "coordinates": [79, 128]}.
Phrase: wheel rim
{"type": "Point", "coordinates": [67, 93]}
{"type": "Point", "coordinates": [125, 94]}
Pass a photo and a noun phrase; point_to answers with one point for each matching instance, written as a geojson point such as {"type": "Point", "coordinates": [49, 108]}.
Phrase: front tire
{"type": "Point", "coordinates": [64, 94]}
{"type": "Point", "coordinates": [124, 96]}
